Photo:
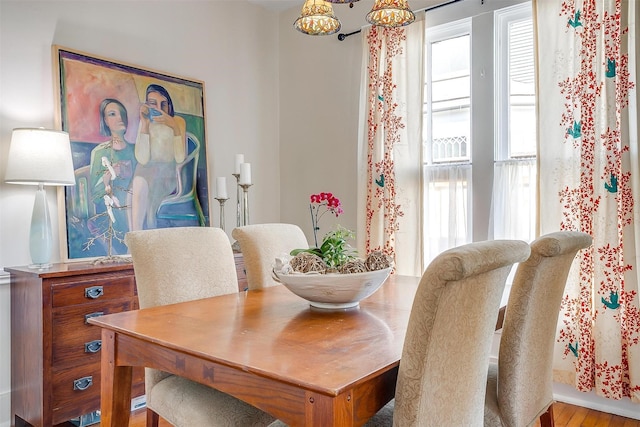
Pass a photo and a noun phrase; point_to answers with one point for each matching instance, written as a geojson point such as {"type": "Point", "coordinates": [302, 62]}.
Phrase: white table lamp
{"type": "Point", "coordinates": [40, 157]}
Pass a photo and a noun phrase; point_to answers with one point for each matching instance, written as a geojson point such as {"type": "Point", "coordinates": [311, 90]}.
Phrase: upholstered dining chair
{"type": "Point", "coordinates": [180, 264]}
{"type": "Point", "coordinates": [261, 244]}
{"type": "Point", "coordinates": [519, 386]}
{"type": "Point", "coordinates": [443, 368]}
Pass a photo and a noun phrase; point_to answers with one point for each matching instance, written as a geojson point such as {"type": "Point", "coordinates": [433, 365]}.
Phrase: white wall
{"type": "Point", "coordinates": [230, 45]}
{"type": "Point", "coordinates": [320, 87]}
{"type": "Point", "coordinates": [319, 111]}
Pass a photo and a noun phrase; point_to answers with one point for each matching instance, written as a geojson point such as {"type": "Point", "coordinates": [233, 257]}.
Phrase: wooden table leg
{"type": "Point", "coordinates": [115, 385]}
{"type": "Point", "coordinates": [325, 411]}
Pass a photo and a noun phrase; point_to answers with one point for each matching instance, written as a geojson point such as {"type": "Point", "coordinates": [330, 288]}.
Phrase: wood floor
{"type": "Point", "coordinates": [565, 416]}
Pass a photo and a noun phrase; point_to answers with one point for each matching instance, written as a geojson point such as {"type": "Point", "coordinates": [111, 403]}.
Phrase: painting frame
{"type": "Point", "coordinates": [139, 148]}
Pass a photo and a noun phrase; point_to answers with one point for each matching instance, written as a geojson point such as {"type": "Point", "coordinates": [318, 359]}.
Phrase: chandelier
{"type": "Point", "coordinates": [317, 17]}
{"type": "Point", "coordinates": [390, 13]}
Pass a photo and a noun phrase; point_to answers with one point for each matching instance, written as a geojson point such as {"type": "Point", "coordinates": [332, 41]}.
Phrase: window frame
{"type": "Point", "coordinates": [501, 83]}
{"type": "Point", "coordinates": [437, 34]}
{"type": "Point", "coordinates": [484, 107]}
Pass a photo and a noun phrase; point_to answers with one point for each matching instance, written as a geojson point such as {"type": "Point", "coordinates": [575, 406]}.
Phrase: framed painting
{"type": "Point", "coordinates": [139, 152]}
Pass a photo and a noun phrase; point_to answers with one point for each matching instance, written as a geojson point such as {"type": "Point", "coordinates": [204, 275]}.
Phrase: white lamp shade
{"type": "Point", "coordinates": [40, 156]}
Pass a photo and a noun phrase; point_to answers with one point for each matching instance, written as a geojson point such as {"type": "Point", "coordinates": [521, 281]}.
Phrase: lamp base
{"type": "Point", "coordinates": [40, 237]}
{"type": "Point", "coordinates": [40, 266]}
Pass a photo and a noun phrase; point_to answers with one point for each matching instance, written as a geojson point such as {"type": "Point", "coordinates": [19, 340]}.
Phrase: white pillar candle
{"type": "Point", "coordinates": [221, 187]}
{"type": "Point", "coordinates": [245, 173]}
{"type": "Point", "coordinates": [239, 161]}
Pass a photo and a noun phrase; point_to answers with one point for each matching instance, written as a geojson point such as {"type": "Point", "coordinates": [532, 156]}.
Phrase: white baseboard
{"type": "Point", "coordinates": [568, 394]}
{"type": "Point", "coordinates": [5, 409]}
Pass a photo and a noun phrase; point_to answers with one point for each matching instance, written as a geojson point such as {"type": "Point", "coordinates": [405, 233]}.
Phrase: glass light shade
{"type": "Point", "coordinates": [317, 19]}
{"type": "Point", "coordinates": [390, 13]}
{"type": "Point", "coordinates": [40, 157]}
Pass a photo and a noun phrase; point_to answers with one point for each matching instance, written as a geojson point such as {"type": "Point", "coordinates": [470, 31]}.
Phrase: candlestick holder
{"type": "Point", "coordinates": [221, 201]}
{"type": "Point", "coordinates": [245, 202]}
{"type": "Point", "coordinates": [238, 208]}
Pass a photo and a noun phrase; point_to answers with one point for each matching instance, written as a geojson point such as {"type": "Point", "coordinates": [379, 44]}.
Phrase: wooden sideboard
{"type": "Point", "coordinates": [55, 354]}
{"type": "Point", "coordinates": [243, 285]}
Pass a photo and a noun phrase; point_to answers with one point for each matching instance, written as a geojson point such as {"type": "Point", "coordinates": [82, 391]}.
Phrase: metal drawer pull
{"type": "Point", "coordinates": [90, 315]}
{"type": "Point", "coordinates": [93, 346]}
{"type": "Point", "coordinates": [83, 383]}
{"type": "Point", "coordinates": [93, 292]}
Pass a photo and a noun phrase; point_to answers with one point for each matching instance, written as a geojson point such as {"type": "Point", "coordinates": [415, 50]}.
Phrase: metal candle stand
{"type": "Point", "coordinates": [245, 202]}
{"type": "Point", "coordinates": [221, 201]}
{"type": "Point", "coordinates": [238, 208]}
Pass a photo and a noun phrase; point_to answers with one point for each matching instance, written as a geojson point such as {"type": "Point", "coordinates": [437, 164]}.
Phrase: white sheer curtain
{"type": "Point", "coordinates": [514, 200]}
{"type": "Point", "coordinates": [447, 208]}
{"type": "Point", "coordinates": [389, 144]}
{"type": "Point", "coordinates": [590, 181]}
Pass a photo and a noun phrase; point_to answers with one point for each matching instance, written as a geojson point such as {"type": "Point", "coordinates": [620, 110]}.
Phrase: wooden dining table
{"type": "Point", "coordinates": [270, 348]}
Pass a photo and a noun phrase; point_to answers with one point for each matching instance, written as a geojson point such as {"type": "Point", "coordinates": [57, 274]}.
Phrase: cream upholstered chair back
{"type": "Point", "coordinates": [443, 370]}
{"type": "Point", "coordinates": [175, 265]}
{"type": "Point", "coordinates": [261, 244]}
{"type": "Point", "coordinates": [524, 371]}
{"type": "Point", "coordinates": [180, 264]}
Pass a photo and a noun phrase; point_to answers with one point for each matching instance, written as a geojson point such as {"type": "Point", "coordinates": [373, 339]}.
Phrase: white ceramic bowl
{"type": "Point", "coordinates": [334, 290]}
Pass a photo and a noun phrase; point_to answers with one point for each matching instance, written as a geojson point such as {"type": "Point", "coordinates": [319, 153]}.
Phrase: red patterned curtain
{"type": "Point", "coordinates": [590, 181]}
{"type": "Point", "coordinates": [389, 160]}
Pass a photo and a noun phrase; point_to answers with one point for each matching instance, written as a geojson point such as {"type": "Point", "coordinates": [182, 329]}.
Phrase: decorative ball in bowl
{"type": "Point", "coordinates": [333, 290]}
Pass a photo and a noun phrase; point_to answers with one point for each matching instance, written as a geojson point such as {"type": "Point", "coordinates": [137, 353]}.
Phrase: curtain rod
{"type": "Point", "coordinates": [343, 36]}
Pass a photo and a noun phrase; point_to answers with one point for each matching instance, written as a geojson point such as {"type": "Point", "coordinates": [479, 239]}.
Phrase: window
{"type": "Point", "coordinates": [515, 152]}
{"type": "Point", "coordinates": [447, 139]}
{"type": "Point", "coordinates": [479, 140]}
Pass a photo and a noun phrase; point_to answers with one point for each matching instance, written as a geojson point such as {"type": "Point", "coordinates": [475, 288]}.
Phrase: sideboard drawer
{"type": "Point", "coordinates": [102, 288]}
{"type": "Point", "coordinates": [76, 340]}
{"type": "Point", "coordinates": [76, 384]}
{"type": "Point", "coordinates": [78, 389]}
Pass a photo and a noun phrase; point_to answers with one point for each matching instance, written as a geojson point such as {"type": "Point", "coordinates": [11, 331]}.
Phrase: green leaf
{"type": "Point", "coordinates": [335, 249]}
{"type": "Point", "coordinates": [314, 251]}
